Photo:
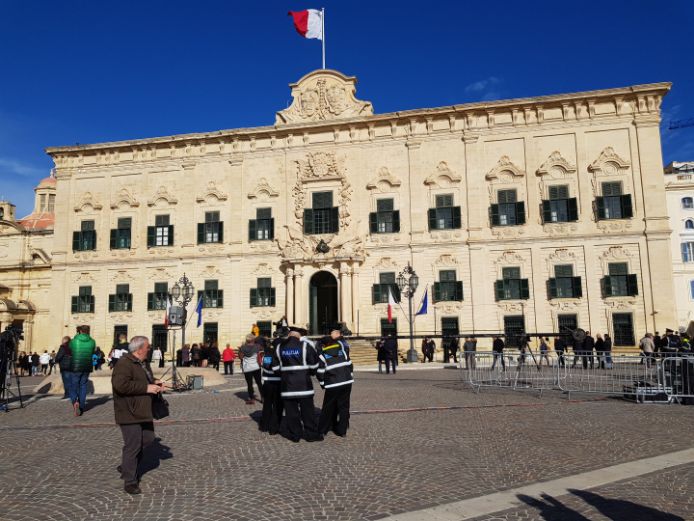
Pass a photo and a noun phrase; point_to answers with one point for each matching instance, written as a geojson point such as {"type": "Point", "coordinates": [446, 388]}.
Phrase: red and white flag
{"type": "Point", "coordinates": [168, 308]}
{"type": "Point", "coordinates": [391, 305]}
{"type": "Point", "coordinates": [308, 23]}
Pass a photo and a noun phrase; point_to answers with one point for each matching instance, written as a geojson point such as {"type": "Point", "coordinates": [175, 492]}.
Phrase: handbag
{"type": "Point", "coordinates": [160, 407]}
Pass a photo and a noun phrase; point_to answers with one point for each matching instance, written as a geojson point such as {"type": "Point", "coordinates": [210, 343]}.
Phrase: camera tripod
{"type": "Point", "coordinates": [7, 371]}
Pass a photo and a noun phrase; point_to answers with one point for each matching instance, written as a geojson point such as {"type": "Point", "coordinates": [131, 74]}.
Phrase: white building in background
{"type": "Point", "coordinates": [679, 189]}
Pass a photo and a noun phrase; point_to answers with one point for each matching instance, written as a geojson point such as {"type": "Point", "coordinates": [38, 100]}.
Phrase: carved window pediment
{"type": "Point", "coordinates": [443, 177]}
{"type": "Point", "coordinates": [210, 192]}
{"type": "Point", "coordinates": [505, 165]}
{"type": "Point", "coordinates": [609, 162]}
{"type": "Point", "coordinates": [162, 194]}
{"type": "Point", "coordinates": [263, 190]}
{"type": "Point", "coordinates": [124, 198]}
{"type": "Point", "coordinates": [383, 181]}
{"type": "Point", "coordinates": [556, 166]}
{"type": "Point", "coordinates": [87, 200]}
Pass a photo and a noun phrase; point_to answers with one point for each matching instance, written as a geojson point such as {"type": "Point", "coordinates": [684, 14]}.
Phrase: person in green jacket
{"type": "Point", "coordinates": [82, 347]}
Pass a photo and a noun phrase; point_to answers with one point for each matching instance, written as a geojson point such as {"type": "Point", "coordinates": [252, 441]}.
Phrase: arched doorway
{"type": "Point", "coordinates": [322, 303]}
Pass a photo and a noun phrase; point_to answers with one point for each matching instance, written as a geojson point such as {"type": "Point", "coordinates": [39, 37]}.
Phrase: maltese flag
{"type": "Point", "coordinates": [308, 23]}
{"type": "Point", "coordinates": [391, 305]}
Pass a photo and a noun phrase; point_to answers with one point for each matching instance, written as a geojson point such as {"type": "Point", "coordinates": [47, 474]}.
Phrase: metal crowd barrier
{"type": "Point", "coordinates": [642, 379]}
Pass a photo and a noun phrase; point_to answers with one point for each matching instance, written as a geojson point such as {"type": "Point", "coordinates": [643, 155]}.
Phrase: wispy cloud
{"type": "Point", "coordinates": [483, 85]}
{"type": "Point", "coordinates": [12, 166]}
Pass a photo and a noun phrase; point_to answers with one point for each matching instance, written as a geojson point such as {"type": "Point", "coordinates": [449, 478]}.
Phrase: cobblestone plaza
{"type": "Point", "coordinates": [419, 441]}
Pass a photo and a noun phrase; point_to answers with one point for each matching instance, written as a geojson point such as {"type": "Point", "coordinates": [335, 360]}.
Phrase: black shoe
{"type": "Point", "coordinates": [132, 489]}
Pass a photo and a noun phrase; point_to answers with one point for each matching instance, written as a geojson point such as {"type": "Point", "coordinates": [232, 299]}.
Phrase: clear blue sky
{"type": "Point", "coordinates": [91, 71]}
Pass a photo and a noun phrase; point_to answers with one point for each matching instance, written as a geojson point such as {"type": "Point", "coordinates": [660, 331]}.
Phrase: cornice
{"type": "Point", "coordinates": [646, 96]}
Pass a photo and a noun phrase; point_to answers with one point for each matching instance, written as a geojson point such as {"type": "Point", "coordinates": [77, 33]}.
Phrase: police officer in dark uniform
{"type": "Point", "coordinates": [335, 376]}
{"type": "Point", "coordinates": [272, 399]}
{"type": "Point", "coordinates": [296, 360]}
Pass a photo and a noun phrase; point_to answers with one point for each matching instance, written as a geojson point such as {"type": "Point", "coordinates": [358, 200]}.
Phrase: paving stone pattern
{"type": "Point", "coordinates": [417, 439]}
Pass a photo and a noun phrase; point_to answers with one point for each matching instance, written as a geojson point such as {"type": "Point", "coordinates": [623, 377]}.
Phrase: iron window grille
{"type": "Point", "coordinates": [623, 326]}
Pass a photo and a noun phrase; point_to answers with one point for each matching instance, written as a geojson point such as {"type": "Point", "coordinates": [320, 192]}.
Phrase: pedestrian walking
{"type": "Point", "coordinates": [35, 364]}
{"type": "Point", "coordinates": [204, 354]}
{"type": "Point", "coordinates": [296, 360]}
{"type": "Point", "coordinates": [133, 388]}
{"type": "Point", "coordinates": [608, 351]}
{"type": "Point", "coordinates": [560, 348]}
{"type": "Point", "coordinates": [119, 350]}
{"type": "Point", "coordinates": [215, 356]}
{"type": "Point", "coordinates": [82, 348]}
{"type": "Point", "coordinates": [390, 352]}
{"type": "Point", "coordinates": [228, 357]}
{"type": "Point", "coordinates": [248, 354]}
{"type": "Point", "coordinates": [51, 363]}
{"type": "Point", "coordinates": [271, 390]}
{"type": "Point", "coordinates": [647, 348]}
{"type": "Point", "coordinates": [498, 346]}
{"type": "Point", "coordinates": [588, 348]}
{"type": "Point", "coordinates": [470, 349]}
{"type": "Point", "coordinates": [544, 351]}
{"type": "Point", "coordinates": [155, 354]}
{"type": "Point", "coordinates": [195, 355]}
{"type": "Point", "coordinates": [600, 350]}
{"type": "Point", "coordinates": [335, 376]}
{"type": "Point", "coordinates": [44, 360]}
{"type": "Point", "coordinates": [64, 359]}
{"type": "Point", "coordinates": [380, 354]}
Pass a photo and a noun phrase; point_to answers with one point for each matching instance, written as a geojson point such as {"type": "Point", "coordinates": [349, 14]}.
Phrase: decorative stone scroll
{"type": "Point", "coordinates": [263, 190]}
{"type": "Point", "coordinates": [87, 199]}
{"type": "Point", "coordinates": [162, 194]}
{"type": "Point", "coordinates": [124, 198]}
{"type": "Point", "coordinates": [443, 177]}
{"type": "Point", "coordinates": [504, 166]}
{"type": "Point", "coordinates": [323, 95]}
{"type": "Point", "coordinates": [383, 181]}
{"type": "Point", "coordinates": [211, 191]}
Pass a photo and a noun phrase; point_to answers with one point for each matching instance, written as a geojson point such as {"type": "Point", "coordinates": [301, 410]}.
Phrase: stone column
{"type": "Point", "coordinates": [28, 335]}
{"type": "Point", "coordinates": [289, 295]}
{"type": "Point", "coordinates": [300, 304]}
{"type": "Point", "coordinates": [355, 297]}
{"type": "Point", "coordinates": [345, 295]}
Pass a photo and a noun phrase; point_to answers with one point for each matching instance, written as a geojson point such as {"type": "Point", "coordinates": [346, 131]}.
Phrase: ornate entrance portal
{"type": "Point", "coordinates": [323, 308]}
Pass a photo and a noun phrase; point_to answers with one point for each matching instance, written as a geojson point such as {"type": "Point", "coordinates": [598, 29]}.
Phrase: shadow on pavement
{"type": "Point", "coordinates": [152, 456]}
{"type": "Point", "coordinates": [552, 509]}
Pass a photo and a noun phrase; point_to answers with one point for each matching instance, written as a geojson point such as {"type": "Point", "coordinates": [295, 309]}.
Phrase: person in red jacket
{"type": "Point", "coordinates": [228, 356]}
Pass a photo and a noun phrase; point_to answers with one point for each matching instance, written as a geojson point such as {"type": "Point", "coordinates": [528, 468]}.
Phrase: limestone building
{"type": "Point", "coordinates": [539, 214]}
{"type": "Point", "coordinates": [679, 190]}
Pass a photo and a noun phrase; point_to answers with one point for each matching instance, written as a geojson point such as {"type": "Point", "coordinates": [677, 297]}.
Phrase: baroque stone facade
{"type": "Point", "coordinates": [341, 199]}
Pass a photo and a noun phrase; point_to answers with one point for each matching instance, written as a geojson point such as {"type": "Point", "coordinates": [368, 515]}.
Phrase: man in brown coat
{"type": "Point", "coordinates": [133, 388]}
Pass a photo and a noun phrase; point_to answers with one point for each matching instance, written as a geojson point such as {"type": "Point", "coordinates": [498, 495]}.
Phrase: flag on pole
{"type": "Point", "coordinates": [198, 310]}
{"type": "Point", "coordinates": [391, 305]}
{"type": "Point", "coordinates": [308, 23]}
{"type": "Point", "coordinates": [167, 310]}
{"type": "Point", "coordinates": [425, 303]}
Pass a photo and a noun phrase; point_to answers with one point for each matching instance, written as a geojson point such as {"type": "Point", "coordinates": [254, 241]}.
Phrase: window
{"type": "Point", "coordinates": [42, 203]}
{"type": "Point", "coordinates": [158, 298]}
{"type": "Point", "coordinates": [444, 216]}
{"type": "Point", "coordinates": [687, 202]}
{"type": "Point", "coordinates": [389, 328]}
{"type": "Point", "coordinates": [564, 284]}
{"type": "Point", "coordinates": [262, 228]}
{"type": "Point", "coordinates": [160, 337]}
{"type": "Point", "coordinates": [689, 224]}
{"type": "Point", "coordinates": [567, 325]}
{"type": "Point", "coordinates": [385, 219]}
{"type": "Point", "coordinates": [212, 296]}
{"type": "Point", "coordinates": [618, 282]}
{"type": "Point", "coordinates": [508, 211]}
{"type": "Point", "coordinates": [51, 203]}
{"type": "Point", "coordinates": [210, 330]}
{"type": "Point", "coordinates": [514, 328]}
{"type": "Point", "coordinates": [691, 289]}
{"type": "Point", "coordinates": [323, 217]}
{"type": "Point", "coordinates": [120, 237]}
{"type": "Point", "coordinates": [212, 230]}
{"type": "Point", "coordinates": [448, 289]}
{"type": "Point", "coordinates": [161, 234]}
{"type": "Point", "coordinates": [688, 252]}
{"type": "Point", "coordinates": [263, 294]}
{"type": "Point", "coordinates": [122, 300]}
{"type": "Point", "coordinates": [559, 207]}
{"type": "Point", "coordinates": [265, 327]}
{"type": "Point", "coordinates": [119, 330]}
{"type": "Point", "coordinates": [511, 286]}
{"type": "Point", "coordinates": [83, 302]}
{"type": "Point", "coordinates": [613, 204]}
{"type": "Point", "coordinates": [379, 292]}
{"type": "Point", "coordinates": [85, 239]}
{"type": "Point", "coordinates": [449, 329]}
{"type": "Point", "coordinates": [623, 325]}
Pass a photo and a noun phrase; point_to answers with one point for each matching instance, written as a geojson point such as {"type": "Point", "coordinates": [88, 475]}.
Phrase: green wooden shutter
{"type": "Point", "coordinates": [607, 286]}
{"type": "Point", "coordinates": [456, 217]}
{"type": "Point", "coordinates": [396, 221]}
{"type": "Point", "coordinates": [201, 233]}
{"type": "Point", "coordinates": [75, 241]}
{"type": "Point", "coordinates": [572, 209]}
{"type": "Point", "coordinates": [459, 290]}
{"type": "Point", "coordinates": [499, 290]}
{"type": "Point", "coordinates": [373, 222]}
{"type": "Point", "coordinates": [632, 285]}
{"type": "Point", "coordinates": [431, 213]}
{"type": "Point", "coordinates": [221, 232]}
{"type": "Point", "coordinates": [254, 297]}
{"type": "Point", "coordinates": [171, 235]}
{"type": "Point", "coordinates": [113, 239]}
{"type": "Point", "coordinates": [520, 212]}
{"type": "Point", "coordinates": [151, 236]}
{"type": "Point", "coordinates": [130, 302]}
{"type": "Point", "coordinates": [437, 291]}
{"type": "Point", "coordinates": [576, 287]}
{"type": "Point", "coordinates": [111, 302]}
{"type": "Point", "coordinates": [150, 301]}
{"type": "Point", "coordinates": [272, 296]}
{"type": "Point", "coordinates": [627, 209]}
{"type": "Point", "coordinates": [334, 219]}
{"type": "Point", "coordinates": [252, 234]}
{"type": "Point", "coordinates": [75, 304]}
{"type": "Point", "coordinates": [308, 221]}
{"type": "Point", "coordinates": [600, 207]}
{"type": "Point", "coordinates": [524, 289]}
{"type": "Point", "coordinates": [220, 298]}
{"type": "Point", "coordinates": [271, 231]}
{"type": "Point", "coordinates": [494, 214]}
{"type": "Point", "coordinates": [546, 211]}
{"type": "Point", "coordinates": [552, 288]}
{"type": "Point", "coordinates": [375, 293]}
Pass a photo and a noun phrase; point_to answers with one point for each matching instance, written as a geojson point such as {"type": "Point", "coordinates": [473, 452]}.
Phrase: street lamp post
{"type": "Point", "coordinates": [407, 282]}
{"type": "Point", "coordinates": [182, 293]}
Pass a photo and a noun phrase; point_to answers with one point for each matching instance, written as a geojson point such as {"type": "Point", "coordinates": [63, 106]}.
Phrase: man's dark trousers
{"type": "Point", "coordinates": [390, 362]}
{"type": "Point", "coordinates": [229, 367]}
{"type": "Point", "coordinates": [296, 411]}
{"type": "Point", "coordinates": [335, 411]}
{"type": "Point", "coordinates": [136, 437]}
{"type": "Point", "coordinates": [272, 407]}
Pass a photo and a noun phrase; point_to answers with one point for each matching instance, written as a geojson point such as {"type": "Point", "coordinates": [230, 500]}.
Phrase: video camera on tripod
{"type": "Point", "coordinates": [9, 343]}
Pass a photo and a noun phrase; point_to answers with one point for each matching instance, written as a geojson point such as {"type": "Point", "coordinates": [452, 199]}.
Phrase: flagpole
{"type": "Point", "coordinates": [322, 20]}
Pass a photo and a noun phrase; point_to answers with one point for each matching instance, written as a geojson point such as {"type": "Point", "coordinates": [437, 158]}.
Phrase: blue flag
{"type": "Point", "coordinates": [425, 303]}
{"type": "Point", "coordinates": [198, 310]}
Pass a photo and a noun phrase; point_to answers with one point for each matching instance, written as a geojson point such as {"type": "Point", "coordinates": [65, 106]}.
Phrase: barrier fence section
{"type": "Point", "coordinates": [643, 379]}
